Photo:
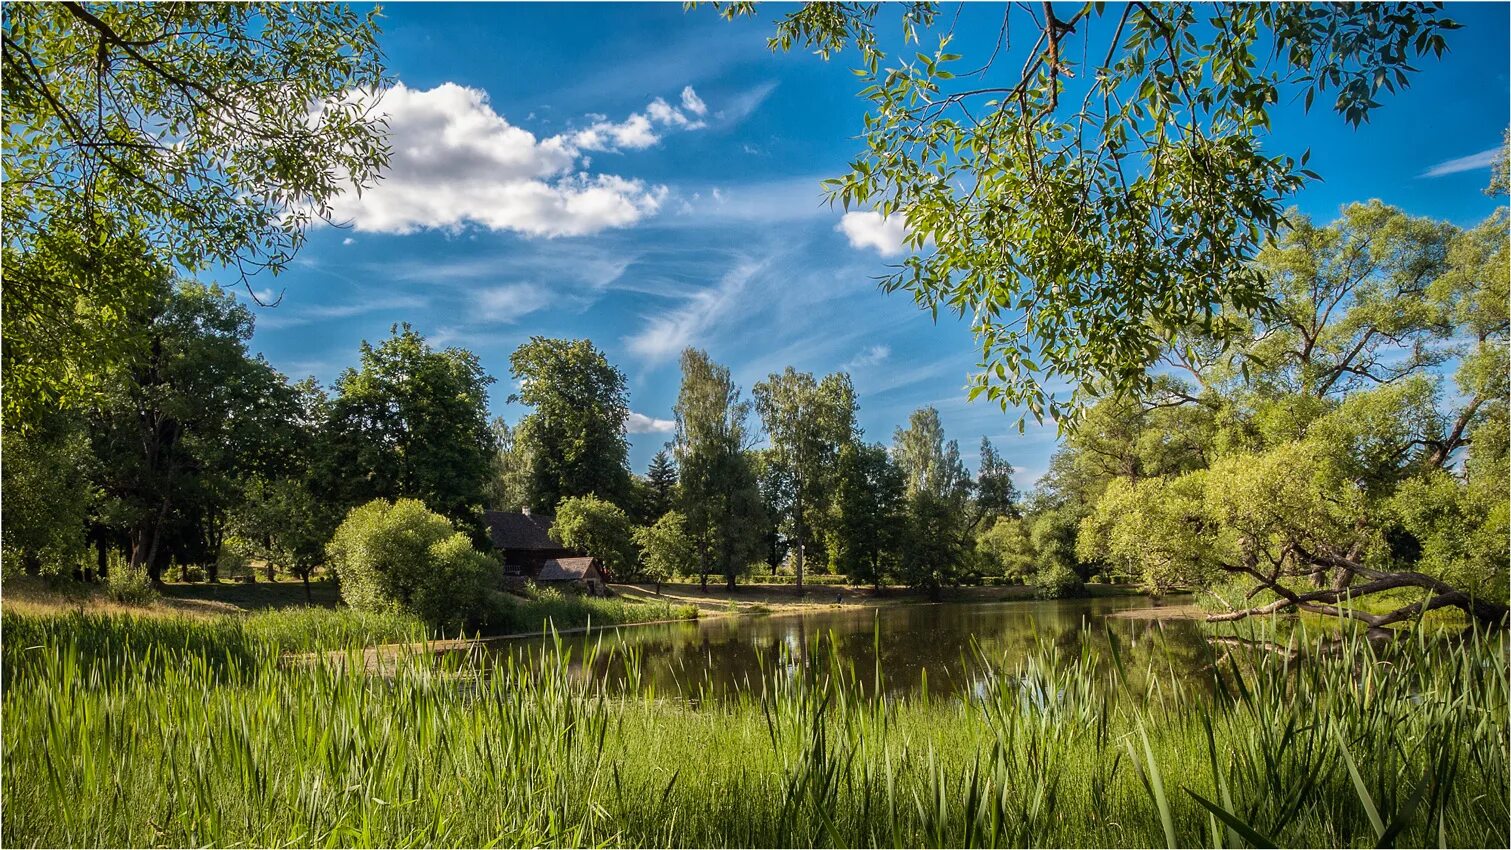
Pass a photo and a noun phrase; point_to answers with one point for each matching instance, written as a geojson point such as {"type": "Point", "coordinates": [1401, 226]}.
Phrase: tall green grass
{"type": "Point", "coordinates": [150, 741]}
{"type": "Point", "coordinates": [548, 608]}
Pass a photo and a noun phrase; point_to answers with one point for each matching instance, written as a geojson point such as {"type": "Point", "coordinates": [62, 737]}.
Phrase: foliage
{"type": "Point", "coordinates": [597, 528]}
{"type": "Point", "coordinates": [807, 422]}
{"type": "Point", "coordinates": [178, 430]}
{"type": "Point", "coordinates": [509, 486]}
{"type": "Point", "coordinates": [399, 556]}
{"type": "Point", "coordinates": [937, 490]}
{"type": "Point", "coordinates": [666, 550]}
{"type": "Point", "coordinates": [661, 484]}
{"type": "Point", "coordinates": [1088, 210]}
{"type": "Point", "coordinates": [1006, 546]}
{"type": "Point", "coordinates": [574, 437]}
{"type": "Point", "coordinates": [191, 137]}
{"type": "Point", "coordinates": [719, 495]}
{"type": "Point", "coordinates": [868, 526]}
{"type": "Point", "coordinates": [410, 422]}
{"type": "Point", "coordinates": [128, 585]}
{"type": "Point", "coordinates": [48, 495]}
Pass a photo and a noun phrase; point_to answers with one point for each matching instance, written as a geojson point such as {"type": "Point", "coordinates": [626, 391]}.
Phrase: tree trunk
{"type": "Point", "coordinates": [305, 574]}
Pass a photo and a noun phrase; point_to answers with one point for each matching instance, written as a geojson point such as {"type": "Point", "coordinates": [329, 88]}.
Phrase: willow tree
{"type": "Point", "coordinates": [1095, 184]}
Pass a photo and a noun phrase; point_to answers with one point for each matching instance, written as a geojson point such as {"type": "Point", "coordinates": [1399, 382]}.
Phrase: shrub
{"type": "Point", "coordinates": [401, 556]}
{"type": "Point", "coordinates": [1057, 581]}
{"type": "Point", "coordinates": [128, 586]}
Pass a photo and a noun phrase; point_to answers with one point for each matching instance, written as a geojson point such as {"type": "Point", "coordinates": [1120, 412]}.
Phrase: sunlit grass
{"type": "Point", "coordinates": [136, 734]}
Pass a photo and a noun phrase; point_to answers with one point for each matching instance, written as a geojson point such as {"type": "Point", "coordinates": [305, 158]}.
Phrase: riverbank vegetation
{"type": "Point", "coordinates": [1334, 749]}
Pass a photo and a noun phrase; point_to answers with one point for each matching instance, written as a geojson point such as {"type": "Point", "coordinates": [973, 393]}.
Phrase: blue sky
{"type": "Point", "coordinates": [648, 178]}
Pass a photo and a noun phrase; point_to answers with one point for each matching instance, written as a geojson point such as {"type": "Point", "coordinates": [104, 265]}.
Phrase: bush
{"type": "Point", "coordinates": [1057, 581]}
{"type": "Point", "coordinates": [400, 556]}
{"type": "Point", "coordinates": [128, 586]}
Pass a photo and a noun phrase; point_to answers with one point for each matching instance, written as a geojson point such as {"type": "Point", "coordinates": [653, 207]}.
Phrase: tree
{"type": "Point", "coordinates": [189, 136]}
{"type": "Point", "coordinates": [411, 422]}
{"type": "Point", "coordinates": [575, 434]}
{"type": "Point", "coordinates": [508, 489]}
{"type": "Point", "coordinates": [1342, 483]}
{"type": "Point", "coordinates": [180, 426]}
{"type": "Point", "coordinates": [666, 549]}
{"type": "Point", "coordinates": [719, 494]}
{"type": "Point", "coordinates": [286, 525]}
{"type": "Point", "coordinates": [868, 504]}
{"type": "Point", "coordinates": [400, 556]}
{"type": "Point", "coordinates": [598, 528]}
{"type": "Point", "coordinates": [996, 495]}
{"type": "Point", "coordinates": [48, 495]}
{"type": "Point", "coordinates": [661, 479]}
{"type": "Point", "coordinates": [807, 422]}
{"type": "Point", "coordinates": [1086, 210]}
{"type": "Point", "coordinates": [1006, 544]}
{"type": "Point", "coordinates": [938, 488]}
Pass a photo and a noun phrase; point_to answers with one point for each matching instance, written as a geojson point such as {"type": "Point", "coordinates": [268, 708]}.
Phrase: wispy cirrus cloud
{"type": "Point", "coordinates": [1472, 162]}
{"type": "Point", "coordinates": [664, 335]}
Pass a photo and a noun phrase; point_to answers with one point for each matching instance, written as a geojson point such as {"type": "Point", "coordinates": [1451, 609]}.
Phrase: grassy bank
{"type": "Point", "coordinates": [134, 737]}
{"type": "Point", "coordinates": [275, 614]}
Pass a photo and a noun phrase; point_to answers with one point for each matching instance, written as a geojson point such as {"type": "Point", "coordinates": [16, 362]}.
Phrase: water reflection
{"type": "Point", "coordinates": [941, 650]}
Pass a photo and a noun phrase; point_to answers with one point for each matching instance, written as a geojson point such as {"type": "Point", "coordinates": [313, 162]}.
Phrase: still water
{"type": "Point", "coordinates": [941, 648]}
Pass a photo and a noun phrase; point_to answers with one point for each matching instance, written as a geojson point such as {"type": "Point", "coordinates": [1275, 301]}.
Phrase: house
{"type": "Point", "coordinates": [524, 540]}
{"type": "Point", "coordinates": [582, 572]}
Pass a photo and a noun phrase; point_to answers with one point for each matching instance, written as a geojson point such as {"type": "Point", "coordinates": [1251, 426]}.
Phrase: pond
{"type": "Point", "coordinates": [933, 648]}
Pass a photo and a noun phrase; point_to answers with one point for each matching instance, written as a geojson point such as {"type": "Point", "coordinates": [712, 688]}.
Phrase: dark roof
{"type": "Point", "coordinates": [566, 569]}
{"type": "Point", "coordinates": [518, 531]}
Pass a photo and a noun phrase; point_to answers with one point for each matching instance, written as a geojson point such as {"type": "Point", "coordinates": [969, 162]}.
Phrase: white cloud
{"type": "Point", "coordinates": [870, 356]}
{"type": "Point", "coordinates": [1483, 159]}
{"type": "Point", "coordinates": [512, 301]}
{"type": "Point", "coordinates": [665, 335]}
{"type": "Point", "coordinates": [639, 423]}
{"type": "Point", "coordinates": [692, 103]}
{"type": "Point", "coordinates": [348, 241]}
{"type": "Point", "coordinates": [457, 163]}
{"type": "Point", "coordinates": [870, 230]}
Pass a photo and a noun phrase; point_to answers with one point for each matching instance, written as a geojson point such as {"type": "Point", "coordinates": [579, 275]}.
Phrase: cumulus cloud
{"type": "Point", "coordinates": [870, 230]}
{"type": "Point", "coordinates": [639, 423]}
{"type": "Point", "coordinates": [692, 103]}
{"type": "Point", "coordinates": [1473, 162]}
{"type": "Point", "coordinates": [456, 163]}
{"type": "Point", "coordinates": [869, 356]}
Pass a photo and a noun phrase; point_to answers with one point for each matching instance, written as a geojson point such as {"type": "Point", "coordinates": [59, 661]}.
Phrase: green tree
{"type": "Point", "coordinates": [144, 135]}
{"type": "Point", "coordinates": [1006, 544]}
{"type": "Point", "coordinates": [178, 429]}
{"type": "Point", "coordinates": [996, 495]}
{"type": "Point", "coordinates": [938, 489]}
{"type": "Point", "coordinates": [666, 550]}
{"type": "Point", "coordinates": [48, 495]}
{"type": "Point", "coordinates": [719, 494]}
{"type": "Point", "coordinates": [411, 422]}
{"type": "Point", "coordinates": [868, 505]}
{"type": "Point", "coordinates": [661, 480]}
{"type": "Point", "coordinates": [598, 528]}
{"type": "Point", "coordinates": [509, 486]}
{"type": "Point", "coordinates": [807, 421]}
{"type": "Point", "coordinates": [1088, 209]}
{"type": "Point", "coordinates": [401, 556]}
{"type": "Point", "coordinates": [574, 436]}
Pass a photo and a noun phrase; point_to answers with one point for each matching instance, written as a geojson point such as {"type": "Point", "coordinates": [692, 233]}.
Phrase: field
{"type": "Point", "coordinates": [125, 730]}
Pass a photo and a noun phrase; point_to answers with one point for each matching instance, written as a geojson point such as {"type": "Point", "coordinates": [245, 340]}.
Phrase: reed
{"type": "Point", "coordinates": [138, 734]}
